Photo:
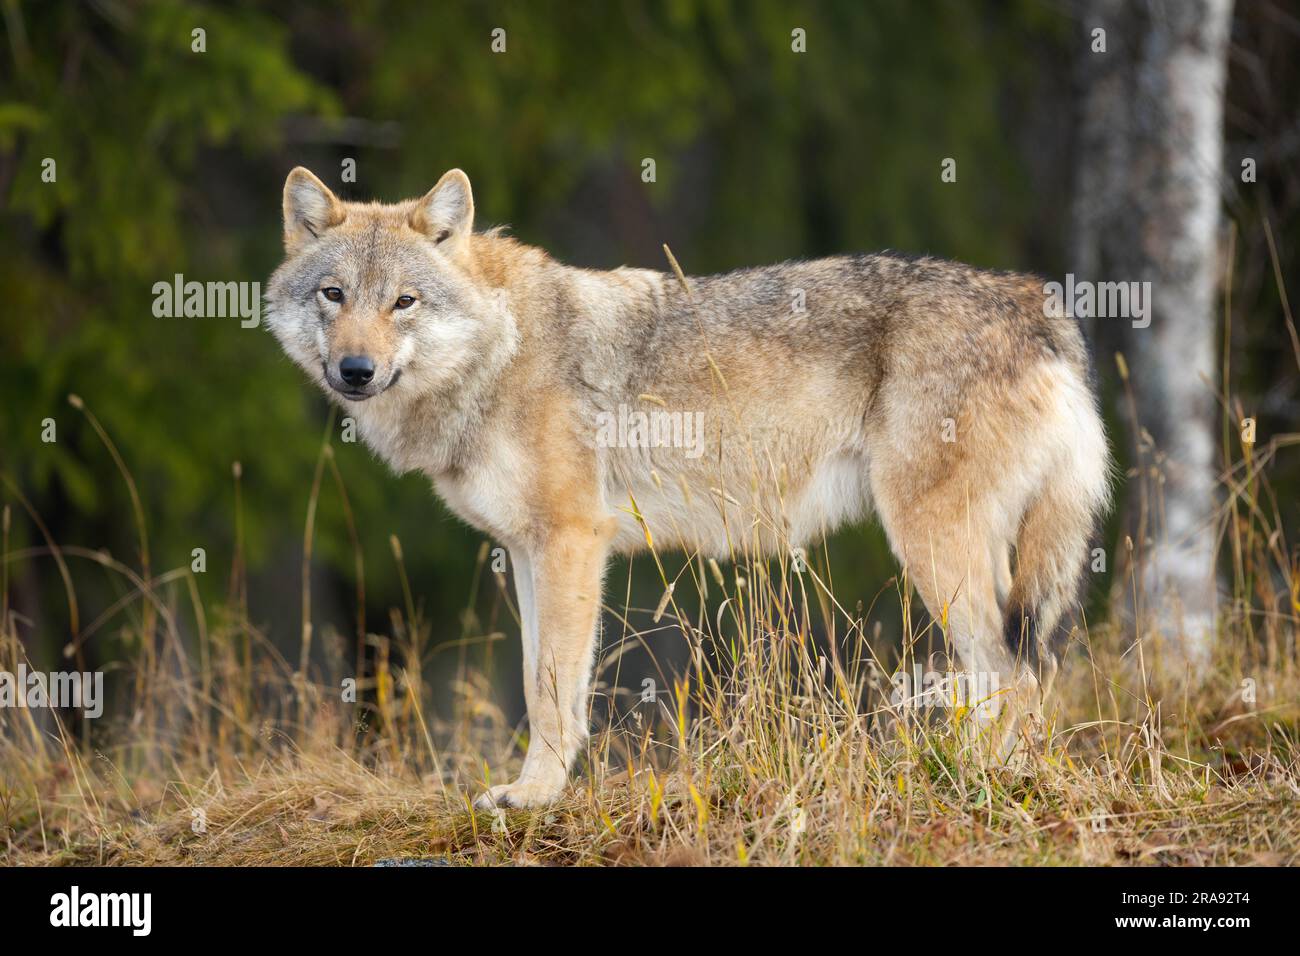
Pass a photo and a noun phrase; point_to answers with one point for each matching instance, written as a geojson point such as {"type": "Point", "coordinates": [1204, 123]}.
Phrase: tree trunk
{"type": "Point", "coordinates": [1147, 209]}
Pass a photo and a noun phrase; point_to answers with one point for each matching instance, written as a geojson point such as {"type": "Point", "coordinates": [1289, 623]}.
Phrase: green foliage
{"type": "Point", "coordinates": [171, 161]}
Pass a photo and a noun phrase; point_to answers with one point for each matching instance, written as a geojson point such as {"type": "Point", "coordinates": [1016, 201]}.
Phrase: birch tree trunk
{"type": "Point", "coordinates": [1147, 209]}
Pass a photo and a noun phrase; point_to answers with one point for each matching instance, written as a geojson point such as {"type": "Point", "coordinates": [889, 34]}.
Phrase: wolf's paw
{"type": "Point", "coordinates": [519, 795]}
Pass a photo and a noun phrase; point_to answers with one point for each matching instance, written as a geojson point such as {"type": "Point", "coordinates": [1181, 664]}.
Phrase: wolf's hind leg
{"type": "Point", "coordinates": [947, 548]}
{"type": "Point", "coordinates": [1002, 571]}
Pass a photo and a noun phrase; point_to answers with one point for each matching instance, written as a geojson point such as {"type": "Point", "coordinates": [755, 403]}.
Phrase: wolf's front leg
{"type": "Point", "coordinates": [560, 608]}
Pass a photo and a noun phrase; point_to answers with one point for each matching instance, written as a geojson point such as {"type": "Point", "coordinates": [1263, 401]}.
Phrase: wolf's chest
{"type": "Point", "coordinates": [405, 436]}
{"type": "Point", "coordinates": [492, 496]}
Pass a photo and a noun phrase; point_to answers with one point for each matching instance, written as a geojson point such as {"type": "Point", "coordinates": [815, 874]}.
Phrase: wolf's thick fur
{"type": "Point", "coordinates": [937, 395]}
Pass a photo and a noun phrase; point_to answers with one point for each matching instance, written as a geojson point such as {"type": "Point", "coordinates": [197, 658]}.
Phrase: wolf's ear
{"type": "Point", "coordinates": [446, 213]}
{"type": "Point", "coordinates": [309, 208]}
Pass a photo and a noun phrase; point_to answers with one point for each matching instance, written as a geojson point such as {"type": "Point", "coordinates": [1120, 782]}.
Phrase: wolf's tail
{"type": "Point", "coordinates": [1052, 543]}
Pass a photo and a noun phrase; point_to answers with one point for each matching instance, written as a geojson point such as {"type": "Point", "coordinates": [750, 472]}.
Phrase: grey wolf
{"type": "Point", "coordinates": [938, 397]}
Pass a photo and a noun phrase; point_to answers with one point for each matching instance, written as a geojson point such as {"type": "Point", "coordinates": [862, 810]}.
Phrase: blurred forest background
{"type": "Point", "coordinates": [172, 161]}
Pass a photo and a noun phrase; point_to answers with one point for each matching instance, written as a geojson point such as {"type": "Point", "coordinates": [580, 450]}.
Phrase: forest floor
{"type": "Point", "coordinates": [769, 765]}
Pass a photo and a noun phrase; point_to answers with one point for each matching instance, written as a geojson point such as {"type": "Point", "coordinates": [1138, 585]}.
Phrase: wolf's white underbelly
{"type": "Point", "coordinates": [694, 511]}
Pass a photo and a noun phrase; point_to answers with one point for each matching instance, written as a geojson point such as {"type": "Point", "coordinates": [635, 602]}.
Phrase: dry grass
{"type": "Point", "coordinates": [747, 770]}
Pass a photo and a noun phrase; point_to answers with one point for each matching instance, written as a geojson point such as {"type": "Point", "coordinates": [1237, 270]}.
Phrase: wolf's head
{"type": "Point", "coordinates": [370, 294]}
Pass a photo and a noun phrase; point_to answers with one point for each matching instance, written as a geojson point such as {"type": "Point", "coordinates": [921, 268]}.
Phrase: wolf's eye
{"type": "Point", "coordinates": [405, 301]}
{"type": "Point", "coordinates": [333, 293]}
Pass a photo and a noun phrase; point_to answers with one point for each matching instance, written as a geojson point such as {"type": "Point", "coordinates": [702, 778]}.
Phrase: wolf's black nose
{"type": "Point", "coordinates": [357, 370]}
